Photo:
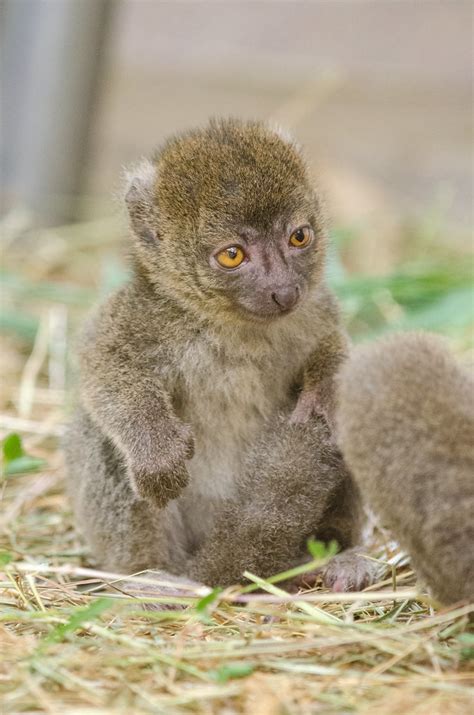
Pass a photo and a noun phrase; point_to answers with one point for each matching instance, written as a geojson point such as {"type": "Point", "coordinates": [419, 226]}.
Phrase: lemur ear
{"type": "Point", "coordinates": [141, 202]}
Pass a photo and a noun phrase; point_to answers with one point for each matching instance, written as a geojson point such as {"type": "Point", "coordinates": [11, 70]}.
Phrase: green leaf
{"type": "Point", "coordinates": [15, 461]}
{"type": "Point", "coordinates": [12, 447]}
{"type": "Point", "coordinates": [24, 465]}
{"type": "Point", "coordinates": [231, 671]}
{"type": "Point", "coordinates": [203, 604]}
{"type": "Point", "coordinates": [466, 641]}
{"type": "Point", "coordinates": [321, 551]}
{"type": "Point", "coordinates": [78, 617]}
{"type": "Point", "coordinates": [5, 558]}
{"type": "Point", "coordinates": [454, 310]}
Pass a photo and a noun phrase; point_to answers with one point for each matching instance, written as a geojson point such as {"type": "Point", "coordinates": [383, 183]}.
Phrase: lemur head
{"type": "Point", "coordinates": [225, 220]}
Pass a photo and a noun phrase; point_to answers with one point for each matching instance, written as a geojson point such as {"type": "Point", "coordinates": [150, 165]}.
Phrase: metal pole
{"type": "Point", "coordinates": [49, 103]}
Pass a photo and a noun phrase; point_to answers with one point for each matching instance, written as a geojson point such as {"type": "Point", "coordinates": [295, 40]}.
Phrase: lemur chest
{"type": "Point", "coordinates": [227, 400]}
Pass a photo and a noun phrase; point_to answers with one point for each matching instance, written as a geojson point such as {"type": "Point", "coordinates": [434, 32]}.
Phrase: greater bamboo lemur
{"type": "Point", "coordinates": [406, 428]}
{"type": "Point", "coordinates": [201, 444]}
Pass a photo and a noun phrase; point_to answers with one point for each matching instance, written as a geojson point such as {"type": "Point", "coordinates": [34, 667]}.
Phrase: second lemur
{"type": "Point", "coordinates": [201, 443]}
{"type": "Point", "coordinates": [406, 427]}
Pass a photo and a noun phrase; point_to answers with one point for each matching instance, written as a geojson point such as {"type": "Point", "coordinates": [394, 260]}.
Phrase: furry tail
{"type": "Point", "coordinates": [406, 428]}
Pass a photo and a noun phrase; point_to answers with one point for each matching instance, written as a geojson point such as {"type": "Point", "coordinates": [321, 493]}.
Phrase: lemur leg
{"type": "Point", "coordinates": [288, 495]}
{"type": "Point", "coordinates": [350, 569]}
{"type": "Point", "coordinates": [125, 534]}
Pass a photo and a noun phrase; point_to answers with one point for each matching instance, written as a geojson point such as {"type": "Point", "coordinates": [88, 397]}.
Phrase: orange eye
{"type": "Point", "coordinates": [301, 237]}
{"type": "Point", "coordinates": [230, 257]}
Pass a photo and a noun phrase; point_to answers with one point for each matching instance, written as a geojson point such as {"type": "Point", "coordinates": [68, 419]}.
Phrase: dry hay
{"type": "Point", "coordinates": [70, 646]}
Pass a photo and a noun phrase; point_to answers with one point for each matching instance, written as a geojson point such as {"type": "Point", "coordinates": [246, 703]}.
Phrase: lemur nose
{"type": "Point", "coordinates": [286, 297]}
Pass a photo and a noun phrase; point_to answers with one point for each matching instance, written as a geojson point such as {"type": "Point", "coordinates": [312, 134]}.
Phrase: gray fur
{"type": "Point", "coordinates": [406, 428]}
{"type": "Point", "coordinates": [189, 451]}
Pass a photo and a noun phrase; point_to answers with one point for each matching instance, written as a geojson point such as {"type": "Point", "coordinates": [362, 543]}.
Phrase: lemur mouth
{"type": "Point", "coordinates": [264, 316]}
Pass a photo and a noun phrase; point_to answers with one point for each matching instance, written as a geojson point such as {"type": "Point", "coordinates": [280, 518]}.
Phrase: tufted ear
{"type": "Point", "coordinates": [140, 200]}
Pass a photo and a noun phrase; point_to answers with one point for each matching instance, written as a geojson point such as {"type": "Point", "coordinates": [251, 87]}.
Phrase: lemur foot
{"type": "Point", "coordinates": [348, 571]}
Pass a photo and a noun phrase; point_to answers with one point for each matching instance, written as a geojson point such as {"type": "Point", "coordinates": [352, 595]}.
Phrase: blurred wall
{"type": "Point", "coordinates": [380, 93]}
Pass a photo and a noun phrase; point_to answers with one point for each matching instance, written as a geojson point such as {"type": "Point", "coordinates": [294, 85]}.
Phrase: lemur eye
{"type": "Point", "coordinates": [230, 257]}
{"type": "Point", "coordinates": [301, 237]}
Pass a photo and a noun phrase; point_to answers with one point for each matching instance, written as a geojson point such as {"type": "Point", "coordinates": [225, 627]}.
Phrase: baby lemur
{"type": "Point", "coordinates": [201, 444]}
{"type": "Point", "coordinates": [406, 428]}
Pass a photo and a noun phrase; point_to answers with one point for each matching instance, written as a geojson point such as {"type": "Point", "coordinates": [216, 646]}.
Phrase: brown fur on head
{"type": "Point", "coordinates": [406, 425]}
{"type": "Point", "coordinates": [231, 184]}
